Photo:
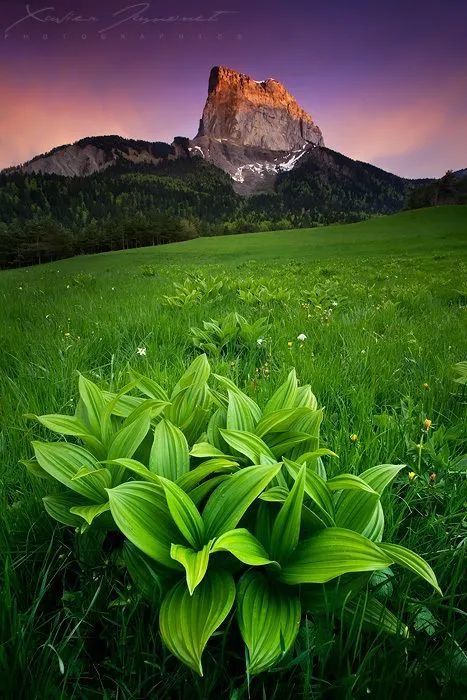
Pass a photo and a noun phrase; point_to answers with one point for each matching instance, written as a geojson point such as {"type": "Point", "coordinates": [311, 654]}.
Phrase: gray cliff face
{"type": "Point", "coordinates": [253, 113]}
{"type": "Point", "coordinates": [94, 154]}
{"type": "Point", "coordinates": [71, 161]}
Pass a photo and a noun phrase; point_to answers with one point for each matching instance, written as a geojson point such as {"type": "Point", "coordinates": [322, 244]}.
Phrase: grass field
{"type": "Point", "coordinates": [382, 304]}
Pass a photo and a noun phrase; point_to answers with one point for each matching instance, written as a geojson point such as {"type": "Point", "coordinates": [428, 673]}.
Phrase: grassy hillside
{"type": "Point", "coordinates": [382, 304]}
{"type": "Point", "coordinates": [412, 232]}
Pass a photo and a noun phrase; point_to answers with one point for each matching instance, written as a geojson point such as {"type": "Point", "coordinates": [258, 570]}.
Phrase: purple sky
{"type": "Point", "coordinates": [385, 81]}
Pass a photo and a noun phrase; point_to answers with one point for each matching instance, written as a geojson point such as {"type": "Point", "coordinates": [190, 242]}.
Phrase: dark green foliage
{"type": "Point", "coordinates": [333, 187]}
{"type": "Point", "coordinates": [46, 217]}
{"type": "Point", "coordinates": [450, 189]}
{"type": "Point", "coordinates": [128, 205]}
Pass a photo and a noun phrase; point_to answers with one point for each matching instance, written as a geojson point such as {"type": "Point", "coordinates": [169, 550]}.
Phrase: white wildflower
{"type": "Point", "coordinates": [141, 351]}
{"type": "Point", "coordinates": [301, 337]}
{"type": "Point", "coordinates": [260, 341]}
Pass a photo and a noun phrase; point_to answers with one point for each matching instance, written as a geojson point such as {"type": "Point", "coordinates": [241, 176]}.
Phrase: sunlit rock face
{"type": "Point", "coordinates": [255, 113]}
{"type": "Point", "coordinates": [253, 130]}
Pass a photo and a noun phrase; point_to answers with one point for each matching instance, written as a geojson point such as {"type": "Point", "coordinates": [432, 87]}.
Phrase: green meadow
{"type": "Point", "coordinates": [380, 309]}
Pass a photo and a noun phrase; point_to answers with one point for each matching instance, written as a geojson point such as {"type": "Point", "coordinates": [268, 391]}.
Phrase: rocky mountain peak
{"type": "Point", "coordinates": [255, 113]}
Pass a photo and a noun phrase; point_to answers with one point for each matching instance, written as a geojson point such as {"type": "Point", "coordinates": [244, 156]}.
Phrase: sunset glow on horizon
{"type": "Point", "coordinates": [385, 83]}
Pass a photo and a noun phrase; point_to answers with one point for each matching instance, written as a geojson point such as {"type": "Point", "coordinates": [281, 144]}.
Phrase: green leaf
{"type": "Point", "coordinates": [62, 424]}
{"type": "Point", "coordinates": [187, 622]}
{"type": "Point", "coordinates": [239, 414]}
{"type": "Point", "coordinates": [136, 468]}
{"type": "Point", "coordinates": [305, 397]}
{"type": "Point", "coordinates": [189, 410]}
{"type": "Point", "coordinates": [276, 494]}
{"type": "Point", "coordinates": [201, 492]}
{"type": "Point", "coordinates": [217, 421]}
{"type": "Point", "coordinates": [330, 553]}
{"type": "Point", "coordinates": [309, 457]}
{"type": "Point", "coordinates": [311, 425]}
{"type": "Point", "coordinates": [285, 396]}
{"type": "Point", "coordinates": [152, 406]}
{"type": "Point", "coordinates": [265, 517]}
{"type": "Point", "coordinates": [106, 415]}
{"type": "Point", "coordinates": [286, 530]}
{"type": "Point", "coordinates": [268, 617]}
{"type": "Point", "coordinates": [122, 405]}
{"type": "Point", "coordinates": [127, 440]}
{"type": "Point", "coordinates": [413, 562]}
{"type": "Point", "coordinates": [88, 513]}
{"type": "Point", "coordinates": [184, 512]}
{"type": "Point", "coordinates": [191, 479]}
{"type": "Point", "coordinates": [249, 445]}
{"type": "Point", "coordinates": [197, 374]}
{"type": "Point", "coordinates": [349, 482]}
{"type": "Point", "coordinates": [141, 513]}
{"type": "Point", "coordinates": [244, 546]}
{"type": "Point", "coordinates": [194, 562]}
{"type": "Point", "coordinates": [100, 478]}
{"type": "Point", "coordinates": [282, 444]}
{"type": "Point", "coordinates": [94, 404]}
{"type": "Point", "coordinates": [313, 460]}
{"type": "Point", "coordinates": [231, 499]}
{"type": "Point", "coordinates": [357, 510]}
{"type": "Point", "coordinates": [375, 526]}
{"type": "Point", "coordinates": [316, 488]}
{"type": "Point", "coordinates": [253, 407]}
{"type": "Point", "coordinates": [169, 454]}
{"type": "Point", "coordinates": [204, 450]}
{"type": "Point", "coordinates": [148, 387]}
{"type": "Point", "coordinates": [381, 476]}
{"type": "Point", "coordinates": [280, 421]}
{"type": "Point", "coordinates": [63, 461]}
{"type": "Point", "coordinates": [35, 470]}
{"type": "Point", "coordinates": [58, 507]}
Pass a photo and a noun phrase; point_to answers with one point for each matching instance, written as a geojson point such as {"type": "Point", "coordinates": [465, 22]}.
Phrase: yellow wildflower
{"type": "Point", "coordinates": [354, 437]}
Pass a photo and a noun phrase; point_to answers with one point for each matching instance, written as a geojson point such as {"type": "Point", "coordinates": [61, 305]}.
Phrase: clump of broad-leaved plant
{"type": "Point", "coordinates": [226, 508]}
{"type": "Point", "coordinates": [232, 332]}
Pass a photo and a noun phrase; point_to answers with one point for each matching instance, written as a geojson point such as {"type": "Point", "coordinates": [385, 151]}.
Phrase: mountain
{"type": "Point", "coordinates": [258, 162]}
{"type": "Point", "coordinates": [341, 185]}
{"type": "Point", "coordinates": [253, 129]}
